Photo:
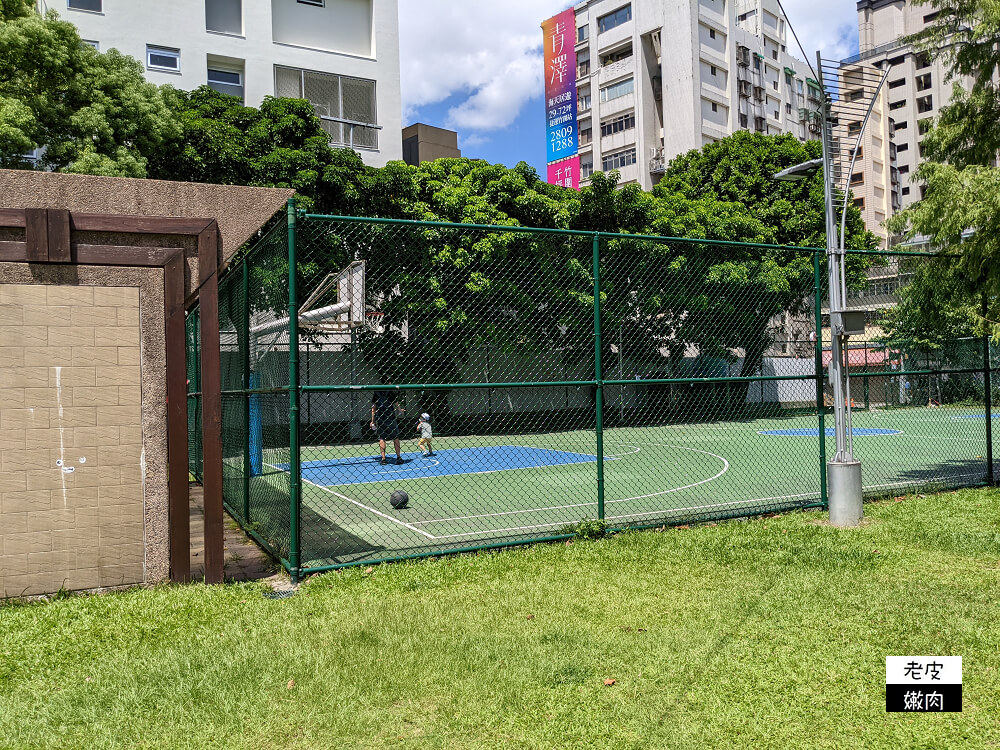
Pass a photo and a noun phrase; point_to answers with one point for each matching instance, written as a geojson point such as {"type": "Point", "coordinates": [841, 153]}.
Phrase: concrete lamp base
{"type": "Point", "coordinates": [844, 483]}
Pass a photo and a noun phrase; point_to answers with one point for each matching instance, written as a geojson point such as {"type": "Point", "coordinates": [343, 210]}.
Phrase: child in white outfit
{"type": "Point", "coordinates": [424, 427]}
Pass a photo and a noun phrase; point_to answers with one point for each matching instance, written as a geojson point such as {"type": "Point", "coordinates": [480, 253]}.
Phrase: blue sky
{"type": "Point", "coordinates": [476, 67]}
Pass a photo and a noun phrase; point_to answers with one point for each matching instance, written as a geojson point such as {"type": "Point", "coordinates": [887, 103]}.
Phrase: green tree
{"type": "Point", "coordinates": [89, 112]}
{"type": "Point", "coordinates": [962, 184]}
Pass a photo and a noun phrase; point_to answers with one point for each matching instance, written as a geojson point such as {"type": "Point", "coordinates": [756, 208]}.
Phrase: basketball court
{"type": "Point", "coordinates": [483, 490]}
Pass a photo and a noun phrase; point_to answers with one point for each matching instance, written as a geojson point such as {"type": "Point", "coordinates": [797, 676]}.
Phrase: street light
{"type": "Point", "coordinates": [800, 171]}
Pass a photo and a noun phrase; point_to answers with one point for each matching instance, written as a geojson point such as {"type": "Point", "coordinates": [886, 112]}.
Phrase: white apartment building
{"type": "Point", "coordinates": [657, 78]}
{"type": "Point", "coordinates": [341, 55]}
{"type": "Point", "coordinates": [915, 90]}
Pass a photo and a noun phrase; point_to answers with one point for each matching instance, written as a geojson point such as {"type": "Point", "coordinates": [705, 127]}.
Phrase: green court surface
{"type": "Point", "coordinates": [483, 490]}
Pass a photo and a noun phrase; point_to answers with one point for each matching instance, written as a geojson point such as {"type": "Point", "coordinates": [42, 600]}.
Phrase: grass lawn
{"type": "Point", "coordinates": [770, 633]}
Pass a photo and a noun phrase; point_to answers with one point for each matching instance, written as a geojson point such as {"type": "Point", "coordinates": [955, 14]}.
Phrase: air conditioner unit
{"type": "Point", "coordinates": [743, 56]}
{"type": "Point", "coordinates": [758, 93]}
{"type": "Point", "coordinates": [745, 88]}
{"type": "Point", "coordinates": [814, 126]}
{"type": "Point", "coordinates": [760, 124]}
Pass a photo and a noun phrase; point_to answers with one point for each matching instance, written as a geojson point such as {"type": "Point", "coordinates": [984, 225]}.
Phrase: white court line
{"type": "Point", "coordinates": [366, 507]}
{"type": "Point", "coordinates": [726, 467]}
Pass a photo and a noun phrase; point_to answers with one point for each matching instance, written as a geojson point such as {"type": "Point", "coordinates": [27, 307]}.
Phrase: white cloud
{"type": "Point", "coordinates": [830, 27]}
{"type": "Point", "coordinates": [490, 53]}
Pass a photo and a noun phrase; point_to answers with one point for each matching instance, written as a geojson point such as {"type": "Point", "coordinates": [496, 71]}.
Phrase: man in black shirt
{"type": "Point", "coordinates": [384, 412]}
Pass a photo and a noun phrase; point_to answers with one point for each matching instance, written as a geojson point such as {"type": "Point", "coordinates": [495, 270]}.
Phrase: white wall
{"type": "Point", "coordinates": [129, 25]}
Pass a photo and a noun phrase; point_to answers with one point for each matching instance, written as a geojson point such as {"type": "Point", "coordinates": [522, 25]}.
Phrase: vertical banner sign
{"type": "Point", "coordinates": [560, 88]}
{"type": "Point", "coordinates": [923, 683]}
{"type": "Point", "coordinates": [565, 173]}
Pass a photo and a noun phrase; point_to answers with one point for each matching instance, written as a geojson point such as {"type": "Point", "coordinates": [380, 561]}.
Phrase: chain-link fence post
{"type": "Point", "coordinates": [598, 377]}
{"type": "Point", "coordinates": [245, 335]}
{"type": "Point", "coordinates": [988, 400]}
{"type": "Point", "coordinates": [820, 406]}
{"type": "Point", "coordinates": [294, 464]}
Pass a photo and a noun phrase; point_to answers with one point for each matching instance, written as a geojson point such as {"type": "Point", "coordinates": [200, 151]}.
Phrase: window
{"type": "Point", "coordinates": [756, 63]}
{"type": "Point", "coordinates": [855, 95]}
{"type": "Point", "coordinates": [897, 105]}
{"type": "Point", "coordinates": [92, 43]}
{"type": "Point", "coordinates": [345, 106]}
{"type": "Point", "coordinates": [226, 81]}
{"type": "Point", "coordinates": [224, 16]}
{"type": "Point", "coordinates": [774, 54]}
{"type": "Point", "coordinates": [861, 152]}
{"type": "Point", "coordinates": [586, 135]}
{"type": "Point", "coordinates": [617, 90]}
{"type": "Point", "coordinates": [924, 125]}
{"type": "Point", "coordinates": [774, 85]}
{"type": "Point", "coordinates": [586, 169]}
{"type": "Point", "coordinates": [618, 160]}
{"type": "Point", "coordinates": [163, 58]}
{"type": "Point", "coordinates": [777, 115]}
{"type": "Point", "coordinates": [583, 67]}
{"type": "Point", "coordinates": [897, 83]}
{"type": "Point", "coordinates": [853, 128]}
{"type": "Point", "coordinates": [711, 33]}
{"type": "Point", "coordinates": [582, 34]}
{"type": "Point", "coordinates": [924, 82]}
{"type": "Point", "coordinates": [921, 61]}
{"type": "Point", "coordinates": [617, 18]}
{"type": "Point", "coordinates": [95, 6]}
{"type": "Point", "coordinates": [902, 147]}
{"type": "Point", "coordinates": [744, 120]}
{"type": "Point", "coordinates": [713, 70]}
{"type": "Point", "coordinates": [860, 203]}
{"type": "Point", "coordinates": [618, 55]}
{"type": "Point", "coordinates": [788, 79]}
{"type": "Point", "coordinates": [931, 16]}
{"type": "Point", "coordinates": [902, 125]}
{"type": "Point", "coordinates": [583, 103]}
{"type": "Point", "coordinates": [925, 104]}
{"type": "Point", "coordinates": [715, 107]}
{"type": "Point", "coordinates": [788, 109]}
{"type": "Point", "coordinates": [618, 125]}
{"type": "Point", "coordinates": [317, 3]}
{"type": "Point", "coordinates": [905, 169]}
{"type": "Point", "coordinates": [906, 191]}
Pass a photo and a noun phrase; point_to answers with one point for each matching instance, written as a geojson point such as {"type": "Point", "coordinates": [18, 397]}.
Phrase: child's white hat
{"type": "Point", "coordinates": [426, 417]}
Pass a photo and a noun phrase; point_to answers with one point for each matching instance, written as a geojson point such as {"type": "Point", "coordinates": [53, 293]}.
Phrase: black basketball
{"type": "Point", "coordinates": [399, 499]}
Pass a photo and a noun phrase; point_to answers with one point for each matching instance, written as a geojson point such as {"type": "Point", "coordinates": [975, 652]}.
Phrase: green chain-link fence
{"type": "Point", "coordinates": [692, 387]}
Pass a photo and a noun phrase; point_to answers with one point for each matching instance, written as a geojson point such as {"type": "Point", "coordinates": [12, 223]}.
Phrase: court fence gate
{"type": "Point", "coordinates": [568, 376]}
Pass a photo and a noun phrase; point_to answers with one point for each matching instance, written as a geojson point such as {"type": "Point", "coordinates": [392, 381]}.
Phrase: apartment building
{"type": "Point", "coordinates": [657, 78]}
{"type": "Point", "coordinates": [915, 90]}
{"type": "Point", "coordinates": [341, 55]}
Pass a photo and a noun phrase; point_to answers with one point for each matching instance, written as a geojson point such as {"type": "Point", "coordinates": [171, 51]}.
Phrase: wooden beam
{"type": "Point", "coordinates": [123, 255]}
{"type": "Point", "coordinates": [139, 224]}
{"type": "Point", "coordinates": [14, 251]}
{"type": "Point", "coordinates": [179, 523]}
{"type": "Point", "coordinates": [211, 401]}
{"type": "Point", "coordinates": [58, 227]}
{"type": "Point", "coordinates": [11, 217]}
{"type": "Point", "coordinates": [36, 234]}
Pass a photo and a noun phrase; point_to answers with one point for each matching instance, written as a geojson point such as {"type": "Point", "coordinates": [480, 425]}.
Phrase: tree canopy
{"type": "Point", "coordinates": [960, 150]}
{"type": "Point", "coordinates": [87, 111]}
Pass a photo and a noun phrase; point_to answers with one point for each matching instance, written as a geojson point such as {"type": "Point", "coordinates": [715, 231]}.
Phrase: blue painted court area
{"type": "Point", "coordinates": [368, 470]}
{"type": "Point", "coordinates": [830, 432]}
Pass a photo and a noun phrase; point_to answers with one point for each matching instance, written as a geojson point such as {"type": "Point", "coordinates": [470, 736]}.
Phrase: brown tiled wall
{"type": "Point", "coordinates": [71, 438]}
